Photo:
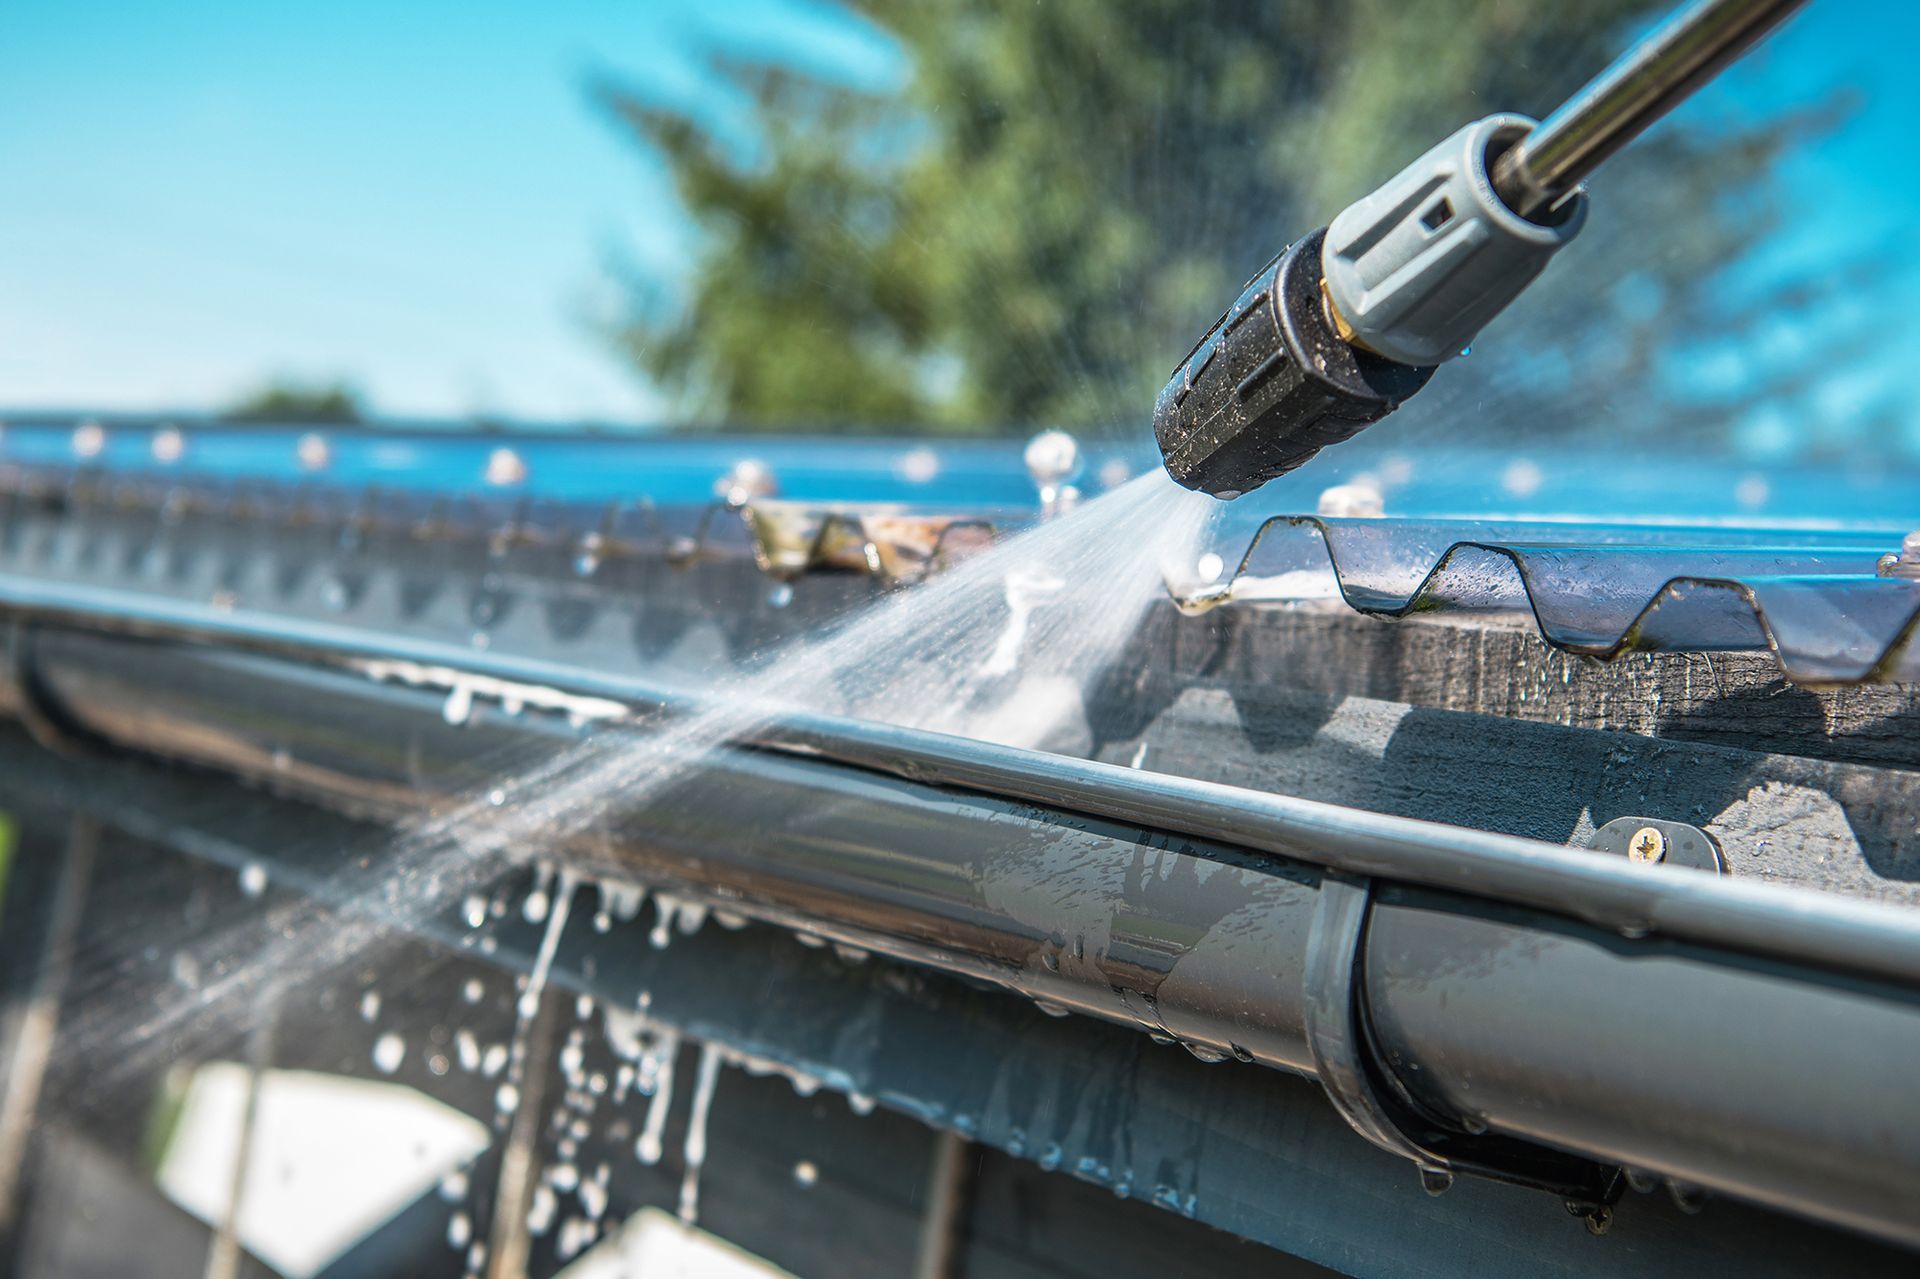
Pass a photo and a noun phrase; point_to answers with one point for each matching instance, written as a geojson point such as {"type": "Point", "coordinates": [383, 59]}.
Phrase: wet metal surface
{"type": "Point", "coordinates": [631, 586]}
{"type": "Point", "coordinates": [1801, 581]}
{"type": "Point", "coordinates": [1814, 598]}
{"type": "Point", "coordinates": [1177, 908]}
{"type": "Point", "coordinates": [1243, 1149]}
{"type": "Point", "coordinates": [1183, 909]}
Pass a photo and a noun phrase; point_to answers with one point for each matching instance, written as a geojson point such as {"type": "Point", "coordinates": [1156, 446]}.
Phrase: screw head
{"type": "Point", "coordinates": [1052, 457]}
{"type": "Point", "coordinates": [1648, 845]}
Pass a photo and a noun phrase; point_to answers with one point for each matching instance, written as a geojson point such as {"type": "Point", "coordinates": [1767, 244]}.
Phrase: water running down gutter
{"type": "Point", "coordinates": [1477, 1001]}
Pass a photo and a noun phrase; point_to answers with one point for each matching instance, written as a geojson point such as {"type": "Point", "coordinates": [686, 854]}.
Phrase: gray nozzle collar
{"type": "Point", "coordinates": [1419, 266]}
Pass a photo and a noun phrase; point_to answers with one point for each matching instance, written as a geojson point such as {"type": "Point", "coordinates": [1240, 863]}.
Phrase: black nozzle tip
{"type": "Point", "coordinates": [1271, 384]}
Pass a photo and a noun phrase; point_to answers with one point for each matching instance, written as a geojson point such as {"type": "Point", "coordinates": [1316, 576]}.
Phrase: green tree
{"type": "Point", "coordinates": [1065, 193]}
{"type": "Point", "coordinates": [299, 403]}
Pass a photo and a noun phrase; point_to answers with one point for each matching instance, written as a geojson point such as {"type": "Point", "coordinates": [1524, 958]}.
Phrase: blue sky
{"type": "Point", "coordinates": [198, 195]}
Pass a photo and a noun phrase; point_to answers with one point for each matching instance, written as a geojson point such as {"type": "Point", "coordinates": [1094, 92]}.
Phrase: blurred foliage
{"type": "Point", "coordinates": [294, 402]}
{"type": "Point", "coordinates": [1064, 194]}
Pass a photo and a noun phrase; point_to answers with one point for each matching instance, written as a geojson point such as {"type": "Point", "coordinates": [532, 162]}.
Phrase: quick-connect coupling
{"type": "Point", "coordinates": [1415, 270]}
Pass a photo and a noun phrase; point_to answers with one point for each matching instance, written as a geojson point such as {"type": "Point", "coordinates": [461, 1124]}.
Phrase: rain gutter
{"type": "Point", "coordinates": [1479, 1003]}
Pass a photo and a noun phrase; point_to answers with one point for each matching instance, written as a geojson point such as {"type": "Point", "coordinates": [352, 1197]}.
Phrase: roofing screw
{"type": "Point", "coordinates": [1053, 458]}
{"type": "Point", "coordinates": [1647, 845]}
{"type": "Point", "coordinates": [505, 467]}
{"type": "Point", "coordinates": [168, 445]}
{"type": "Point", "coordinates": [314, 452]}
{"type": "Point", "coordinates": [1598, 1218]}
{"type": "Point", "coordinates": [1906, 562]}
{"type": "Point", "coordinates": [89, 438]}
{"type": "Point", "coordinates": [749, 480]}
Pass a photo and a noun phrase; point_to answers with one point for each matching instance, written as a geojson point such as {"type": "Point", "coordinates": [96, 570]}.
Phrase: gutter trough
{"type": "Point", "coordinates": [1480, 1004]}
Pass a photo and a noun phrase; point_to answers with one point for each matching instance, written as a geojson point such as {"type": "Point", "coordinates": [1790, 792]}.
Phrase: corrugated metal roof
{"type": "Point", "coordinates": [1816, 598]}
{"type": "Point", "coordinates": [1809, 588]}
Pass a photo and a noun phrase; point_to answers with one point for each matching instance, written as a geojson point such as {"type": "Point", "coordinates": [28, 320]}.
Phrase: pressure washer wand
{"type": "Point", "coordinates": [1349, 321]}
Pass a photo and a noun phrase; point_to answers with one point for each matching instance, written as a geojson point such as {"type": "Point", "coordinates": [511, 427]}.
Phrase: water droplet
{"type": "Point", "coordinates": [805, 1175]}
{"type": "Point", "coordinates": [459, 1230]}
{"type": "Point", "coordinates": [1436, 1181]}
{"type": "Point", "coordinates": [506, 1098]}
{"type": "Point", "coordinates": [780, 595]}
{"type": "Point", "coordinates": [388, 1052]}
{"type": "Point", "coordinates": [458, 708]}
{"type": "Point", "coordinates": [253, 879]}
{"type": "Point", "coordinates": [1205, 1052]}
{"type": "Point", "coordinates": [593, 1198]}
{"type": "Point", "coordinates": [453, 1186]}
{"type": "Point", "coordinates": [1050, 1157]}
{"type": "Point", "coordinates": [1686, 1196]}
{"type": "Point", "coordinates": [575, 1234]}
{"type": "Point", "coordinates": [370, 1006]}
{"type": "Point", "coordinates": [474, 911]}
{"type": "Point", "coordinates": [540, 1214]}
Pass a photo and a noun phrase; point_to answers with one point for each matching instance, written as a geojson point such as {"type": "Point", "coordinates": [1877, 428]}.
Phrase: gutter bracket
{"type": "Point", "coordinates": [1353, 1071]}
{"type": "Point", "coordinates": [1647, 841]}
{"type": "Point", "coordinates": [36, 707]}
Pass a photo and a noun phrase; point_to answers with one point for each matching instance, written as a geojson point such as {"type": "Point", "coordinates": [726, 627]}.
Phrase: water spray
{"type": "Point", "coordinates": [1352, 319]}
